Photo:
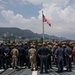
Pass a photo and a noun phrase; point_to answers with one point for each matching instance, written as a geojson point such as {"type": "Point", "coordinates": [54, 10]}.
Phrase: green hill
{"type": "Point", "coordinates": [18, 32]}
{"type": "Point", "coordinates": [25, 33]}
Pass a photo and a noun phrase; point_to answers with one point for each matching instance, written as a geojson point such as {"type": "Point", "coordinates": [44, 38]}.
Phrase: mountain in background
{"type": "Point", "coordinates": [26, 33]}
{"type": "Point", "coordinates": [55, 37]}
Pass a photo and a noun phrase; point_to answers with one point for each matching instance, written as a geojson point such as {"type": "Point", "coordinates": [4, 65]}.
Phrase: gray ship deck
{"type": "Point", "coordinates": [26, 71]}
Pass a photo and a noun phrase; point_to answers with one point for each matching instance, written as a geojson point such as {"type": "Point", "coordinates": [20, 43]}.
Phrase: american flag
{"type": "Point", "coordinates": [46, 20]}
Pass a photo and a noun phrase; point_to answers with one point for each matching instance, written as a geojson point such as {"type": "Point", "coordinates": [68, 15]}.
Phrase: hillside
{"type": "Point", "coordinates": [26, 33]}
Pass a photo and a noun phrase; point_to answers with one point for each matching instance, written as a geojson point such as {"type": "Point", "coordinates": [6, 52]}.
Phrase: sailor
{"type": "Point", "coordinates": [14, 54]}
{"type": "Point", "coordinates": [32, 55]}
{"type": "Point", "coordinates": [43, 53]}
{"type": "Point", "coordinates": [2, 55]}
{"type": "Point", "coordinates": [59, 56]}
{"type": "Point", "coordinates": [69, 53]}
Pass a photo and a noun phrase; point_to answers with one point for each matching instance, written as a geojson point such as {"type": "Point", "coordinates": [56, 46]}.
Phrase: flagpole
{"type": "Point", "coordinates": [43, 26]}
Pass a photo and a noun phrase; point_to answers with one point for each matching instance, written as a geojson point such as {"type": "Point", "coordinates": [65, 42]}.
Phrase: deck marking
{"type": "Point", "coordinates": [34, 72]}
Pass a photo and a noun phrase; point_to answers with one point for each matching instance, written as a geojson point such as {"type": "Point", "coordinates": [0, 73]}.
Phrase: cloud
{"type": "Point", "coordinates": [19, 21]}
{"type": "Point", "coordinates": [10, 17]}
{"type": "Point", "coordinates": [38, 2]}
{"type": "Point", "coordinates": [56, 11]}
{"type": "Point", "coordinates": [1, 8]}
{"type": "Point", "coordinates": [68, 14]}
{"type": "Point", "coordinates": [62, 17]}
{"type": "Point", "coordinates": [51, 11]}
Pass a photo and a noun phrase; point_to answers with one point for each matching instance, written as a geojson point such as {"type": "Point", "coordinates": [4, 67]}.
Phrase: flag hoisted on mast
{"type": "Point", "coordinates": [44, 19]}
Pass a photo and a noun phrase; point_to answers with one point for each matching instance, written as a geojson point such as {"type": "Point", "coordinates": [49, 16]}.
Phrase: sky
{"type": "Point", "coordinates": [27, 14]}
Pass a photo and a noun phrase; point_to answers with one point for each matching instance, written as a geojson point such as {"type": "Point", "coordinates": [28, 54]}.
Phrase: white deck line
{"type": "Point", "coordinates": [34, 72]}
{"type": "Point", "coordinates": [1, 70]}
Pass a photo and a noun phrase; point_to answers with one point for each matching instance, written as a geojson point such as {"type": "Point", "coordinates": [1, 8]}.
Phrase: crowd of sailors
{"type": "Point", "coordinates": [42, 56]}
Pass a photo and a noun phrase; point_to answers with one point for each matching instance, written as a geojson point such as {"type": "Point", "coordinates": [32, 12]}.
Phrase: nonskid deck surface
{"type": "Point", "coordinates": [26, 71]}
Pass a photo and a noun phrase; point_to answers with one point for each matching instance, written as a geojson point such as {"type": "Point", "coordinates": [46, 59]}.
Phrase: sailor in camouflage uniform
{"type": "Point", "coordinates": [14, 54]}
{"type": "Point", "coordinates": [32, 56]}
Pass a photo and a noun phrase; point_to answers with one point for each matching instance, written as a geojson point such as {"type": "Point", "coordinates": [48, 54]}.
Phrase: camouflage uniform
{"type": "Point", "coordinates": [15, 55]}
{"type": "Point", "coordinates": [32, 56]}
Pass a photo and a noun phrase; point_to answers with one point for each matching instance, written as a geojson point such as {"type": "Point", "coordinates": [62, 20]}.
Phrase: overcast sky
{"type": "Point", "coordinates": [27, 14]}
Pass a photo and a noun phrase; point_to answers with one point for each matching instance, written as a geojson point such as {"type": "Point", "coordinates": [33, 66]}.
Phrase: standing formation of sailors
{"type": "Point", "coordinates": [42, 56]}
